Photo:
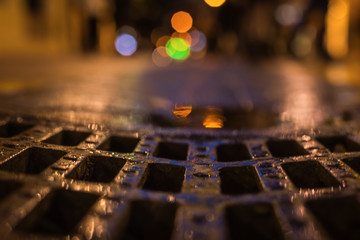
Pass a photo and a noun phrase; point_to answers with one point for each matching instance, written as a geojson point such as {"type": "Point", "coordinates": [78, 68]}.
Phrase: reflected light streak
{"type": "Point", "coordinates": [214, 118]}
{"type": "Point", "coordinates": [181, 21]}
{"type": "Point", "coordinates": [182, 111]}
{"type": "Point", "coordinates": [302, 100]}
{"type": "Point", "coordinates": [337, 24]}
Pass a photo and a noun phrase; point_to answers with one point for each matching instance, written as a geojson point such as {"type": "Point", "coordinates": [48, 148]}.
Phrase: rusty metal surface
{"type": "Point", "coordinates": [94, 151]}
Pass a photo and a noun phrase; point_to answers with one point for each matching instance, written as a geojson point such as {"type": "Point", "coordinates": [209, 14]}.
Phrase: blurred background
{"type": "Point", "coordinates": [283, 56]}
{"type": "Point", "coordinates": [252, 29]}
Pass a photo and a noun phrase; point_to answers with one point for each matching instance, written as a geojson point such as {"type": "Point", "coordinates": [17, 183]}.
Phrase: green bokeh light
{"type": "Point", "coordinates": [178, 48]}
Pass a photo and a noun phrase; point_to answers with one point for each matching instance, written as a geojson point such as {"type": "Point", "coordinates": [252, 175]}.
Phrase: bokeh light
{"type": "Point", "coordinates": [338, 9]}
{"type": "Point", "coordinates": [303, 42]}
{"type": "Point", "coordinates": [181, 21]}
{"type": "Point", "coordinates": [215, 3]}
{"type": "Point", "coordinates": [181, 111]}
{"type": "Point", "coordinates": [157, 33]}
{"type": "Point", "coordinates": [288, 14]}
{"type": "Point", "coordinates": [129, 30]}
{"type": "Point", "coordinates": [162, 51]}
{"type": "Point", "coordinates": [125, 44]}
{"type": "Point", "coordinates": [160, 57]}
{"type": "Point", "coordinates": [186, 36]}
{"type": "Point", "coordinates": [337, 28]}
{"type": "Point", "coordinates": [198, 41]}
{"type": "Point", "coordinates": [161, 42]}
{"type": "Point", "coordinates": [214, 118]}
{"type": "Point", "coordinates": [178, 48]}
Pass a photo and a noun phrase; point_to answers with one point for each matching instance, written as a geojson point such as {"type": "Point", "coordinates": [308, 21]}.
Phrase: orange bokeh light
{"type": "Point", "coordinates": [162, 51]}
{"type": "Point", "coordinates": [215, 3]}
{"type": "Point", "coordinates": [213, 121]}
{"type": "Point", "coordinates": [182, 111]}
{"type": "Point", "coordinates": [161, 42]}
{"type": "Point", "coordinates": [214, 118]}
{"type": "Point", "coordinates": [181, 21]}
{"type": "Point", "coordinates": [186, 36]}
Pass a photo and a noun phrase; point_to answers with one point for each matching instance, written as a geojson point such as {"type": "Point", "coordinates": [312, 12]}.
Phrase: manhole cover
{"type": "Point", "coordinates": [65, 179]}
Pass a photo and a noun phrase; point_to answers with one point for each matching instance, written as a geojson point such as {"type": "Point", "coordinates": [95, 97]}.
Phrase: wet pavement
{"type": "Point", "coordinates": [115, 148]}
{"type": "Point", "coordinates": [113, 85]}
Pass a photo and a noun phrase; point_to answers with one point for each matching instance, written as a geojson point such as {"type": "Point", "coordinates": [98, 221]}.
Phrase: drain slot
{"type": "Point", "coordinates": [32, 161]}
{"type": "Point", "coordinates": [253, 221]}
{"type": "Point", "coordinates": [67, 138]}
{"type": "Point", "coordinates": [8, 187]}
{"type": "Point", "coordinates": [354, 163]}
{"type": "Point", "coordinates": [232, 153]}
{"type": "Point", "coordinates": [97, 169]}
{"type": "Point", "coordinates": [12, 129]}
{"type": "Point", "coordinates": [175, 151]}
{"type": "Point", "coordinates": [58, 214]}
{"type": "Point", "coordinates": [150, 220]}
{"type": "Point", "coordinates": [285, 148]}
{"type": "Point", "coordinates": [339, 216]}
{"type": "Point", "coordinates": [119, 144]}
{"type": "Point", "coordinates": [339, 144]}
{"type": "Point", "coordinates": [163, 177]}
{"type": "Point", "coordinates": [309, 174]}
{"type": "Point", "coordinates": [239, 180]}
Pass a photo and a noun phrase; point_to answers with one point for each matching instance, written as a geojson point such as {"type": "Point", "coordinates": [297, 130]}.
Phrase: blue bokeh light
{"type": "Point", "coordinates": [125, 44]}
{"type": "Point", "coordinates": [199, 41]}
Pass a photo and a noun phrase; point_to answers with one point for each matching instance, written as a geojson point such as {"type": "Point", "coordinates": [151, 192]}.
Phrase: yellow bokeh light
{"type": "Point", "coordinates": [181, 22]}
{"type": "Point", "coordinates": [178, 48]}
{"type": "Point", "coordinates": [182, 111]}
{"type": "Point", "coordinates": [337, 25]}
{"type": "Point", "coordinates": [215, 3]}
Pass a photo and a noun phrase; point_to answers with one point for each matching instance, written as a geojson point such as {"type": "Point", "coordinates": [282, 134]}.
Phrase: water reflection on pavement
{"type": "Point", "coordinates": [101, 87]}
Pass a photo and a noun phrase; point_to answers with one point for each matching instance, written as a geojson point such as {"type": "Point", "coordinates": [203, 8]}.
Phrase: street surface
{"type": "Point", "coordinates": [99, 87]}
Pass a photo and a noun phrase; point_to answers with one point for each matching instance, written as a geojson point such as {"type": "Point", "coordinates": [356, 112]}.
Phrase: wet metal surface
{"type": "Point", "coordinates": [138, 146]}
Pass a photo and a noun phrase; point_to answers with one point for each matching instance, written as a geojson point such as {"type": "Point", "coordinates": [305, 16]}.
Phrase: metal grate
{"type": "Point", "coordinates": [63, 179]}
